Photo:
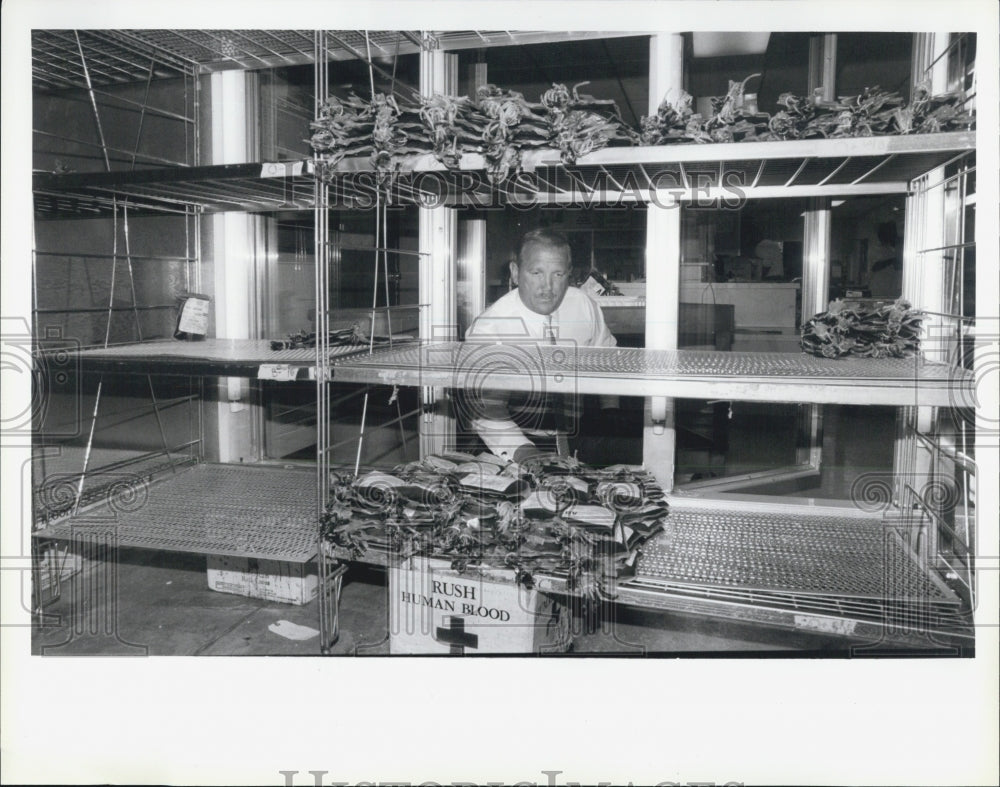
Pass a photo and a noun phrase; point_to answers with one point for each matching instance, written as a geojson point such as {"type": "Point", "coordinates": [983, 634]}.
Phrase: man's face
{"type": "Point", "coordinates": [542, 277]}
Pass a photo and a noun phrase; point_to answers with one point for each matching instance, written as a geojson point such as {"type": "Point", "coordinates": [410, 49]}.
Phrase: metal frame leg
{"type": "Point", "coordinates": [331, 581]}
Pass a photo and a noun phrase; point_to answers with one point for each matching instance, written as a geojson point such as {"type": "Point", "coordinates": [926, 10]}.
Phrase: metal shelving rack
{"type": "Point", "coordinates": [817, 170]}
{"type": "Point", "coordinates": [866, 572]}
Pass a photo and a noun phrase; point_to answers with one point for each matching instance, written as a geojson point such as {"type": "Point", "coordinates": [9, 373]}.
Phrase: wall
{"type": "Point", "coordinates": [74, 268]}
{"type": "Point", "coordinates": [156, 140]}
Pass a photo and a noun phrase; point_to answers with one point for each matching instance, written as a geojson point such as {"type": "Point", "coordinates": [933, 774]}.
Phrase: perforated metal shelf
{"type": "Point", "coordinates": [821, 554]}
{"type": "Point", "coordinates": [240, 511]}
{"type": "Point", "coordinates": [805, 568]}
{"type": "Point", "coordinates": [739, 376]}
{"type": "Point", "coordinates": [231, 357]}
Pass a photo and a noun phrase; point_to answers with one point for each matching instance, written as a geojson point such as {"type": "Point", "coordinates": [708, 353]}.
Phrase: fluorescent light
{"type": "Point", "coordinates": [739, 43]}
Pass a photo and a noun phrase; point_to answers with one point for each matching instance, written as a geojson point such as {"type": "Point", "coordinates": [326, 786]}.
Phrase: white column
{"type": "Point", "coordinates": [816, 257]}
{"type": "Point", "coordinates": [236, 425]}
{"type": "Point", "coordinates": [663, 246]}
{"type": "Point", "coordinates": [438, 240]}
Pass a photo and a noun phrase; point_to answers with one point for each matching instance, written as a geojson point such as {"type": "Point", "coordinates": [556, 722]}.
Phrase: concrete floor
{"type": "Point", "coordinates": [159, 604]}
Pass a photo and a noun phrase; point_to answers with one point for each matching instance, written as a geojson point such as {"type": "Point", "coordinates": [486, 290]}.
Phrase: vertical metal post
{"type": "Point", "coordinates": [470, 295]}
{"type": "Point", "coordinates": [816, 234]}
{"type": "Point", "coordinates": [924, 283]}
{"type": "Point", "coordinates": [816, 257]}
{"type": "Point", "coordinates": [663, 259]}
{"type": "Point", "coordinates": [438, 236]}
{"type": "Point", "coordinates": [823, 64]}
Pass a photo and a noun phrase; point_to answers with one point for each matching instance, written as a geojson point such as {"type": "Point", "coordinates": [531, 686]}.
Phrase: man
{"type": "Point", "coordinates": [543, 308]}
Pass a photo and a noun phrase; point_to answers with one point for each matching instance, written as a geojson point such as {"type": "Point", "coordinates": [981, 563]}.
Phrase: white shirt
{"type": "Point", "coordinates": [578, 320]}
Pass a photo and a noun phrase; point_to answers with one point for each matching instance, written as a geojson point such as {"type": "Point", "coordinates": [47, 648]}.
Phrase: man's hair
{"type": "Point", "coordinates": [545, 236]}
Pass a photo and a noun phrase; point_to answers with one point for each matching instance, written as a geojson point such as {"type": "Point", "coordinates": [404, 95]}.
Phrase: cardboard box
{"type": "Point", "coordinates": [434, 610]}
{"type": "Point", "coordinates": [270, 580]}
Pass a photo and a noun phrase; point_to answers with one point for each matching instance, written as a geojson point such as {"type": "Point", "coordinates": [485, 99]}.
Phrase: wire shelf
{"type": "Point", "coordinates": [281, 185]}
{"type": "Point", "coordinates": [740, 376]}
{"type": "Point", "coordinates": [232, 357]}
{"type": "Point", "coordinates": [822, 554]}
{"type": "Point", "coordinates": [240, 511]}
{"type": "Point", "coordinates": [640, 174]}
{"type": "Point", "coordinates": [119, 56]}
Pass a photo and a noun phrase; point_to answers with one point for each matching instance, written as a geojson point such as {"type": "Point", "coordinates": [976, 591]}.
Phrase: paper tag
{"type": "Point", "coordinates": [276, 371]}
{"type": "Point", "coordinates": [578, 484]}
{"type": "Point", "coordinates": [281, 169]}
{"type": "Point", "coordinates": [826, 625]}
{"type": "Point", "coordinates": [591, 515]}
{"type": "Point", "coordinates": [495, 483]}
{"type": "Point", "coordinates": [457, 456]}
{"type": "Point", "coordinates": [541, 500]}
{"type": "Point", "coordinates": [194, 316]}
{"type": "Point", "coordinates": [439, 463]}
{"type": "Point", "coordinates": [477, 467]}
{"type": "Point", "coordinates": [375, 478]}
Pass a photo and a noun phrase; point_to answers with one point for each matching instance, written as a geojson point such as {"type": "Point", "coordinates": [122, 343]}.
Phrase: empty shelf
{"type": "Point", "coordinates": [284, 185]}
{"type": "Point", "coordinates": [694, 374]}
{"type": "Point", "coordinates": [230, 357]}
{"type": "Point", "coordinates": [240, 511]}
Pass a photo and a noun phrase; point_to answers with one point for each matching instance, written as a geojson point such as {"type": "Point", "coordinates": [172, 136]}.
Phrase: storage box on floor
{"type": "Point", "coordinates": [435, 610]}
{"type": "Point", "coordinates": [270, 580]}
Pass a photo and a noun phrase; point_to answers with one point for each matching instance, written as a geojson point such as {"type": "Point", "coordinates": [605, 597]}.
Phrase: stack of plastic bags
{"type": "Point", "coordinates": [550, 515]}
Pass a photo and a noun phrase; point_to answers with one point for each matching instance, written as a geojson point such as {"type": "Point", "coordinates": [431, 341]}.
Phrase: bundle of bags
{"type": "Point", "coordinates": [873, 112]}
{"type": "Point", "coordinates": [550, 514]}
{"type": "Point", "coordinates": [498, 124]}
{"type": "Point", "coordinates": [885, 330]}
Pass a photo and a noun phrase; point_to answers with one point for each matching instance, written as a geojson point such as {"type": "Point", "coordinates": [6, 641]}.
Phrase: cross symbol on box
{"type": "Point", "coordinates": [453, 633]}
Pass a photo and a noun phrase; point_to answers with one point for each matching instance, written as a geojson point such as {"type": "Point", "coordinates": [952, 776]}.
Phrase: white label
{"type": "Point", "coordinates": [194, 316]}
{"type": "Point", "coordinates": [478, 467]}
{"type": "Point", "coordinates": [543, 500]}
{"type": "Point", "coordinates": [591, 515]}
{"type": "Point", "coordinates": [827, 625]}
{"type": "Point", "coordinates": [275, 371]}
{"type": "Point", "coordinates": [439, 463]}
{"type": "Point", "coordinates": [375, 478]}
{"type": "Point", "coordinates": [495, 483]}
{"type": "Point", "coordinates": [281, 169]}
